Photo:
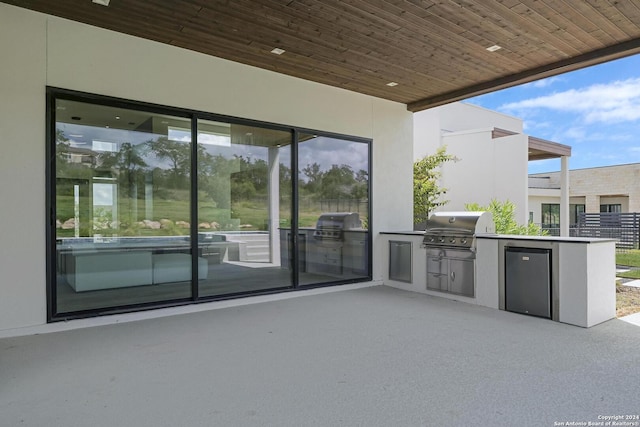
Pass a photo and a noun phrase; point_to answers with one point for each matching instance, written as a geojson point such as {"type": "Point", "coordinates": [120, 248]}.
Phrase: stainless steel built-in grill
{"type": "Point", "coordinates": [331, 226]}
{"type": "Point", "coordinates": [450, 240]}
{"type": "Point", "coordinates": [333, 251]}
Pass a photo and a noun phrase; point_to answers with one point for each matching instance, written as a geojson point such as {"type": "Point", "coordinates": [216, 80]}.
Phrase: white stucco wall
{"type": "Point", "coordinates": [22, 189]}
{"type": "Point", "coordinates": [456, 117]}
{"type": "Point", "coordinates": [486, 169]}
{"type": "Point", "coordinates": [40, 50]}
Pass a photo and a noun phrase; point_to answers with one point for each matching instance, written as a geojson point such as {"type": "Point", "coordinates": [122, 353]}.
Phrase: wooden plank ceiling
{"type": "Point", "coordinates": [435, 50]}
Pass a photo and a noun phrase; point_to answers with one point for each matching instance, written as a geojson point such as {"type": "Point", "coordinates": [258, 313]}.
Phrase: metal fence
{"type": "Point", "coordinates": [623, 227]}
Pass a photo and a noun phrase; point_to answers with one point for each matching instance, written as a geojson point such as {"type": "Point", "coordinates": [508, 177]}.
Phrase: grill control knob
{"type": "Point", "coordinates": [441, 239]}
{"type": "Point", "coordinates": [463, 241]}
{"type": "Point", "coordinates": [432, 239]}
{"type": "Point", "coordinates": [452, 240]}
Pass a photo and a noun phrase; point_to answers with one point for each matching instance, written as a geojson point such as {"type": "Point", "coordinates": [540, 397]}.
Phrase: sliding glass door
{"type": "Point", "coordinates": [155, 205]}
{"type": "Point", "coordinates": [244, 207]}
{"type": "Point", "coordinates": [333, 209]}
{"type": "Point", "coordinates": [122, 207]}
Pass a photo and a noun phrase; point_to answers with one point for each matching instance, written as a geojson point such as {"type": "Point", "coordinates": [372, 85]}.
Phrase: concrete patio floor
{"type": "Point", "coordinates": [375, 356]}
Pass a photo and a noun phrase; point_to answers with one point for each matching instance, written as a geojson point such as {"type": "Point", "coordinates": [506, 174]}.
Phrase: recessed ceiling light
{"type": "Point", "coordinates": [117, 117]}
{"type": "Point", "coordinates": [278, 51]}
{"type": "Point", "coordinates": [392, 84]}
{"type": "Point", "coordinates": [494, 48]}
{"type": "Point", "coordinates": [101, 2]}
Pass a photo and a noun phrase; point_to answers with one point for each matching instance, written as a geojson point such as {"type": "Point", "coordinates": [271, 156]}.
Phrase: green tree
{"type": "Point", "coordinates": [127, 164]}
{"type": "Point", "coordinates": [314, 176]}
{"type": "Point", "coordinates": [427, 194]}
{"type": "Point", "coordinates": [178, 154]}
{"type": "Point", "coordinates": [337, 182]}
{"type": "Point", "coordinates": [360, 189]}
{"type": "Point", "coordinates": [504, 218]}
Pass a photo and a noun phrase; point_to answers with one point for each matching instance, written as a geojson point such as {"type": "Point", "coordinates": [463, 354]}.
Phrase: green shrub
{"type": "Point", "coordinates": [504, 218]}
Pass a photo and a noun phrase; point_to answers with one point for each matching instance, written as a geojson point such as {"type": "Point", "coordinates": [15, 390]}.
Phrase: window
{"type": "Point", "coordinates": [550, 216]}
{"type": "Point", "coordinates": [613, 208]}
{"type": "Point", "coordinates": [118, 210]}
{"type": "Point", "coordinates": [333, 208]}
{"type": "Point", "coordinates": [244, 204]}
{"type": "Point", "coordinates": [147, 214]}
{"type": "Point", "coordinates": [574, 213]}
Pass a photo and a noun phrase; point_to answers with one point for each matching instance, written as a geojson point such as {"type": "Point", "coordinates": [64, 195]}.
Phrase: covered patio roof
{"type": "Point", "coordinates": [418, 52]}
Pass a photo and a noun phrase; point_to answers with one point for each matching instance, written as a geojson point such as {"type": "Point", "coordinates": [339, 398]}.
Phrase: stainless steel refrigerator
{"type": "Point", "coordinates": [528, 281]}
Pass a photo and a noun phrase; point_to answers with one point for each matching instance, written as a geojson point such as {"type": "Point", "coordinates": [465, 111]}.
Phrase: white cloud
{"type": "Point", "coordinates": [544, 82]}
{"type": "Point", "coordinates": [605, 103]}
{"type": "Point", "coordinates": [575, 133]}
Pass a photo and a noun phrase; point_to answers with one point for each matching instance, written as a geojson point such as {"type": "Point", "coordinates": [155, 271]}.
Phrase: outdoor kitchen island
{"type": "Point", "coordinates": [582, 272]}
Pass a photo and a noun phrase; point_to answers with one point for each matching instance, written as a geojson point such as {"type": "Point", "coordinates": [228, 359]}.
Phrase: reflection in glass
{"type": "Point", "coordinates": [122, 207]}
{"type": "Point", "coordinates": [333, 209]}
{"type": "Point", "coordinates": [244, 207]}
{"type": "Point", "coordinates": [124, 213]}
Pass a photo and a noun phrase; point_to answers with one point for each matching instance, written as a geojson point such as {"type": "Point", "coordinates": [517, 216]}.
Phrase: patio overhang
{"type": "Point", "coordinates": [538, 148]}
{"type": "Point", "coordinates": [422, 54]}
{"type": "Point", "coordinates": [541, 149]}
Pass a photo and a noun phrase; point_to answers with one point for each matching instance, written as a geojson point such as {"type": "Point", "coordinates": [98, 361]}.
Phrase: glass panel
{"type": "Point", "coordinates": [574, 213]}
{"type": "Point", "coordinates": [333, 209]}
{"type": "Point", "coordinates": [244, 208]}
{"type": "Point", "coordinates": [122, 207]}
{"type": "Point", "coordinates": [550, 215]}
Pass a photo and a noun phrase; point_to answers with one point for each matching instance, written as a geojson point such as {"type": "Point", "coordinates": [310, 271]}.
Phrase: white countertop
{"type": "Point", "coordinates": [544, 238]}
{"type": "Point", "coordinates": [515, 237]}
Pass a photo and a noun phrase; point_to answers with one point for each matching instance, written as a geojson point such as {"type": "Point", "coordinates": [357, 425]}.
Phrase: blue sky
{"type": "Point", "coordinates": [595, 110]}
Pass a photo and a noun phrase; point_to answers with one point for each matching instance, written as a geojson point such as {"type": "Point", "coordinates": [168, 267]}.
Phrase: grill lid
{"type": "Point", "coordinates": [339, 221]}
{"type": "Point", "coordinates": [461, 223]}
{"type": "Point", "coordinates": [457, 229]}
{"type": "Point", "coordinates": [330, 226]}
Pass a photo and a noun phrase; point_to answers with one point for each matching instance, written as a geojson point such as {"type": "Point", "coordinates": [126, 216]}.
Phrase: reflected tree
{"type": "Point", "coordinates": [178, 154]}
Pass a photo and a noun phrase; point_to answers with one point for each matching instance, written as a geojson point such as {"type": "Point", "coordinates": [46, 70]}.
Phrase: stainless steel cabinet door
{"type": "Point", "coordinates": [461, 278]}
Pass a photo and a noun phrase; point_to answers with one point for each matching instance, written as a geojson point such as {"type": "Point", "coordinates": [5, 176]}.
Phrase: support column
{"type": "Point", "coordinates": [592, 203]}
{"type": "Point", "coordinates": [564, 196]}
{"type": "Point", "coordinates": [274, 204]}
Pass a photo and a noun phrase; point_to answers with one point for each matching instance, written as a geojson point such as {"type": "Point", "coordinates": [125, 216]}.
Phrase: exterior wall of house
{"type": "Point", "coordinates": [430, 124]}
{"type": "Point", "coordinates": [40, 50]}
{"type": "Point", "coordinates": [592, 187]}
{"type": "Point", "coordinates": [536, 202]}
{"type": "Point", "coordinates": [487, 168]}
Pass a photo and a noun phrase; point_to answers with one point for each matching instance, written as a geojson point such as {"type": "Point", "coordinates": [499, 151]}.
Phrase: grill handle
{"type": "Point", "coordinates": [440, 230]}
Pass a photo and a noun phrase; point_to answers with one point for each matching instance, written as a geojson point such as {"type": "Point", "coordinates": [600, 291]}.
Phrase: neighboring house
{"type": "Point", "coordinates": [492, 152]}
{"type": "Point", "coordinates": [600, 189]}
